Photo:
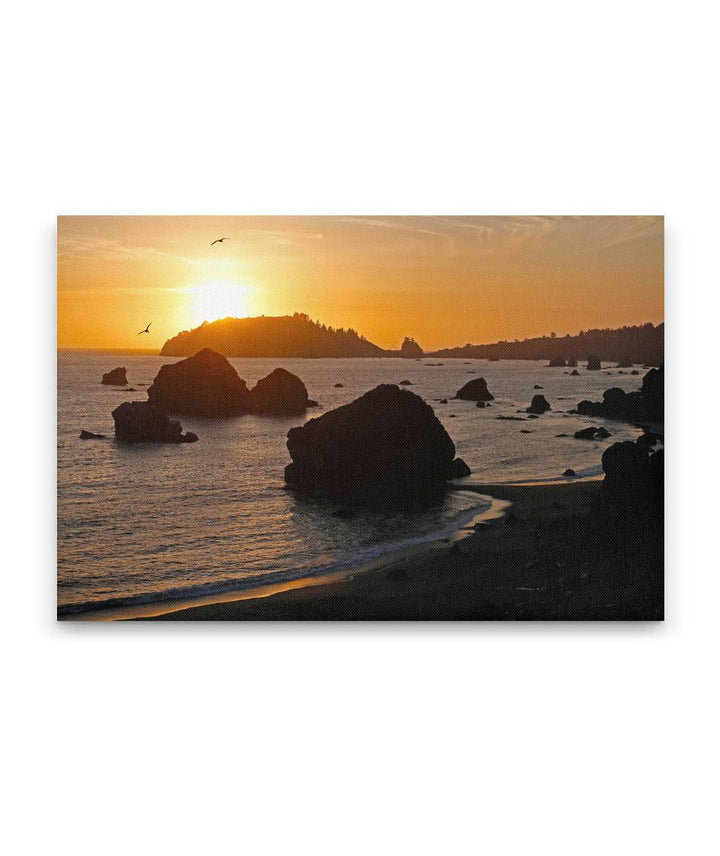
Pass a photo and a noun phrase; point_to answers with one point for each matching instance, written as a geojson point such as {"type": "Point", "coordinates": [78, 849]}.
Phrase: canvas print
{"type": "Point", "coordinates": [360, 418]}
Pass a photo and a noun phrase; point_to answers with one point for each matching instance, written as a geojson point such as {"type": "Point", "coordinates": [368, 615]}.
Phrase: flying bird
{"type": "Point", "coordinates": [146, 330]}
{"type": "Point", "coordinates": [217, 241]}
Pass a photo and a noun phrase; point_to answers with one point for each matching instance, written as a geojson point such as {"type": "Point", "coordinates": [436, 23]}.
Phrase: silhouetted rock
{"type": "Point", "coordinates": [574, 373]}
{"type": "Point", "coordinates": [410, 348]}
{"type": "Point", "coordinates": [88, 435]}
{"type": "Point", "coordinates": [203, 385]}
{"type": "Point", "coordinates": [586, 433]}
{"type": "Point", "coordinates": [624, 364]}
{"type": "Point", "coordinates": [312, 403]}
{"type": "Point", "coordinates": [281, 393]}
{"type": "Point", "coordinates": [570, 473]}
{"type": "Point", "coordinates": [475, 390]}
{"type": "Point", "coordinates": [646, 405]}
{"type": "Point", "coordinates": [556, 362]}
{"type": "Point", "coordinates": [339, 385]}
{"type": "Point", "coordinates": [459, 469]}
{"type": "Point", "coordinates": [116, 377]}
{"type": "Point", "coordinates": [634, 372]}
{"type": "Point", "coordinates": [648, 438]}
{"type": "Point", "coordinates": [571, 363]}
{"type": "Point", "coordinates": [602, 433]}
{"type": "Point", "coordinates": [511, 418]}
{"type": "Point", "coordinates": [632, 491]}
{"type": "Point", "coordinates": [140, 422]}
{"type": "Point", "coordinates": [386, 448]}
{"type": "Point", "coordinates": [538, 387]}
{"type": "Point", "coordinates": [593, 363]}
{"type": "Point", "coordinates": [481, 404]}
{"type": "Point", "coordinates": [538, 405]}
{"type": "Point", "coordinates": [405, 383]}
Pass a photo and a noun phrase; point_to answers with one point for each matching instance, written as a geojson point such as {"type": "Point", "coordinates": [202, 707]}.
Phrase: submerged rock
{"type": "Point", "coordinates": [475, 390]}
{"type": "Point", "coordinates": [116, 377]}
{"type": "Point", "coordinates": [586, 433]}
{"type": "Point", "coordinates": [538, 405]}
{"type": "Point", "coordinates": [281, 393]}
{"type": "Point", "coordinates": [88, 435]}
{"type": "Point", "coordinates": [140, 422]}
{"type": "Point", "coordinates": [386, 448]}
{"type": "Point", "coordinates": [203, 385]}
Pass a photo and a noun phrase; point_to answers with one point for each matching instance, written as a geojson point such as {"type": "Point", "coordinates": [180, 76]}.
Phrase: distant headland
{"type": "Point", "coordinates": [298, 336]}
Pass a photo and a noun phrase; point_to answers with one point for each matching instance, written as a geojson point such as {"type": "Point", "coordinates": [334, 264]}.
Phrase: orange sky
{"type": "Point", "coordinates": [443, 280]}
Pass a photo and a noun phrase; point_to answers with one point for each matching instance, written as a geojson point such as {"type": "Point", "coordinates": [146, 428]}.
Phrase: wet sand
{"type": "Point", "coordinates": [548, 558]}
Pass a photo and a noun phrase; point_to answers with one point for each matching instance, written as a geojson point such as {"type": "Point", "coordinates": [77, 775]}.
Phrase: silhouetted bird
{"type": "Point", "coordinates": [217, 241]}
{"type": "Point", "coordinates": [146, 330]}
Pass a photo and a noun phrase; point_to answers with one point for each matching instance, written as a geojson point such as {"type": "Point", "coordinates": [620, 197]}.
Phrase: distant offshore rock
{"type": "Point", "coordinates": [538, 405]}
{"type": "Point", "coordinates": [475, 390]}
{"type": "Point", "coordinates": [593, 363]}
{"type": "Point", "coordinates": [140, 422]}
{"type": "Point", "coordinates": [386, 449]}
{"type": "Point", "coordinates": [116, 377]}
{"type": "Point", "coordinates": [557, 362]}
{"type": "Point", "coordinates": [203, 385]}
{"type": "Point", "coordinates": [411, 349]}
{"type": "Point", "coordinates": [88, 435]}
{"type": "Point", "coordinates": [281, 393]}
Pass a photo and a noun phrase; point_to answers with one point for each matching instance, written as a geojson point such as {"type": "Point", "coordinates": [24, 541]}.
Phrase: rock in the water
{"type": "Point", "coordinates": [570, 473]}
{"type": "Point", "coordinates": [538, 387]}
{"type": "Point", "coordinates": [556, 363]}
{"type": "Point", "coordinates": [571, 363]}
{"type": "Point", "coordinates": [281, 393]}
{"type": "Point", "coordinates": [116, 377]}
{"type": "Point", "coordinates": [481, 404]}
{"type": "Point", "coordinates": [203, 385]}
{"type": "Point", "coordinates": [386, 448]}
{"type": "Point", "coordinates": [475, 390]}
{"type": "Point", "coordinates": [625, 364]}
{"type": "Point", "coordinates": [574, 373]}
{"type": "Point", "coordinates": [339, 385]}
{"type": "Point", "coordinates": [602, 433]}
{"type": "Point", "coordinates": [586, 433]}
{"type": "Point", "coordinates": [405, 383]}
{"type": "Point", "coordinates": [646, 405]}
{"type": "Point", "coordinates": [593, 363]}
{"type": "Point", "coordinates": [141, 422]}
{"type": "Point", "coordinates": [88, 435]}
{"type": "Point", "coordinates": [538, 405]}
{"type": "Point", "coordinates": [649, 439]}
{"type": "Point", "coordinates": [634, 372]}
{"type": "Point", "coordinates": [312, 403]}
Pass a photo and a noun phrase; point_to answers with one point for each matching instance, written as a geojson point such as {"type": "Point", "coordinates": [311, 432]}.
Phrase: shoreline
{"type": "Point", "coordinates": [532, 562]}
{"type": "Point", "coordinates": [159, 609]}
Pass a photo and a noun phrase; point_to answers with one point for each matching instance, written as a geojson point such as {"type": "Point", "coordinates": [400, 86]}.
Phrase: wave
{"type": "Point", "coordinates": [347, 563]}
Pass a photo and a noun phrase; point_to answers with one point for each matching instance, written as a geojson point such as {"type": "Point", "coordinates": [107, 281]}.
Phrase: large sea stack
{"type": "Point", "coordinates": [140, 422]}
{"type": "Point", "coordinates": [281, 393]}
{"type": "Point", "coordinates": [386, 448]}
{"type": "Point", "coordinates": [645, 405]}
{"type": "Point", "coordinates": [475, 390]}
{"type": "Point", "coordinates": [203, 385]}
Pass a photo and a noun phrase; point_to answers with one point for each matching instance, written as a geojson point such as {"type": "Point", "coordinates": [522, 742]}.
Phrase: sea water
{"type": "Point", "coordinates": [155, 523]}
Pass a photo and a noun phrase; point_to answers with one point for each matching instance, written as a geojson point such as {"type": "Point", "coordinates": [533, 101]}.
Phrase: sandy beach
{"type": "Point", "coordinates": [547, 558]}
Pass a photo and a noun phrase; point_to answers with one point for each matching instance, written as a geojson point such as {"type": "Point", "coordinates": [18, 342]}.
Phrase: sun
{"type": "Point", "coordinates": [220, 298]}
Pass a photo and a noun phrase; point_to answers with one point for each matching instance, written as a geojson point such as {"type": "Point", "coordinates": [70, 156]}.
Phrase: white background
{"type": "Point", "coordinates": [432, 739]}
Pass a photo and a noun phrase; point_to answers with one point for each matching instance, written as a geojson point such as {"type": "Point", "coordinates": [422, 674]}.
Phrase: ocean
{"type": "Point", "coordinates": [154, 524]}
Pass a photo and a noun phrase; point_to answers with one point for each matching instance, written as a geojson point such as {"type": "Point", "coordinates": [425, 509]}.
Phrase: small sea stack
{"type": "Point", "coordinates": [115, 377]}
{"type": "Point", "coordinates": [538, 405]}
{"type": "Point", "coordinates": [140, 422]}
{"type": "Point", "coordinates": [475, 390]}
{"type": "Point", "coordinates": [203, 385]}
{"type": "Point", "coordinates": [593, 363]}
{"type": "Point", "coordinates": [385, 449]}
{"type": "Point", "coordinates": [557, 363]}
{"type": "Point", "coordinates": [281, 393]}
